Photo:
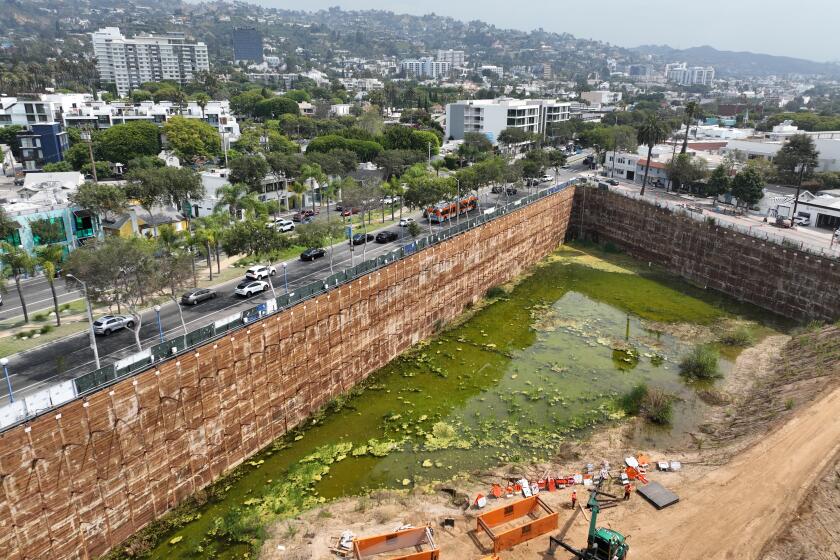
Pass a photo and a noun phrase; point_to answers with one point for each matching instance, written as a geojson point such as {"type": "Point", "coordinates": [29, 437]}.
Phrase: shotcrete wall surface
{"type": "Point", "coordinates": [79, 480]}
{"type": "Point", "coordinates": [783, 280]}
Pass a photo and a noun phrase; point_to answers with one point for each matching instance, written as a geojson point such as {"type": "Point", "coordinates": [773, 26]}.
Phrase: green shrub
{"type": "Point", "coordinates": [46, 329]}
{"type": "Point", "coordinates": [700, 363]}
{"type": "Point", "coordinates": [495, 292]}
{"type": "Point", "coordinates": [739, 336]}
{"type": "Point", "coordinates": [39, 317]}
{"type": "Point", "coordinates": [652, 404]}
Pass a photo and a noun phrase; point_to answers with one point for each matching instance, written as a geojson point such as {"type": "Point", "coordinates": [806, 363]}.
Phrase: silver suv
{"type": "Point", "coordinates": [112, 323]}
{"type": "Point", "coordinates": [259, 272]}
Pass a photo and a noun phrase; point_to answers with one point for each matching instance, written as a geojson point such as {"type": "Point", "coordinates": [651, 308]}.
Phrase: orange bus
{"type": "Point", "coordinates": [443, 211]}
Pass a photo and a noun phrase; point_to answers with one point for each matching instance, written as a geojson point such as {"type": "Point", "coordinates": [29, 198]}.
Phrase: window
{"type": "Point", "coordinates": [48, 230]}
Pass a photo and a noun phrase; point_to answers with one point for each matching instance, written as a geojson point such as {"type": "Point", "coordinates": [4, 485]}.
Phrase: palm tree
{"type": "Point", "coordinates": [50, 257]}
{"type": "Point", "coordinates": [652, 132]}
{"type": "Point", "coordinates": [317, 175]}
{"type": "Point", "coordinates": [231, 196]}
{"type": "Point", "coordinates": [201, 99]}
{"type": "Point", "coordinates": [437, 165]}
{"type": "Point", "coordinates": [690, 110]}
{"type": "Point", "coordinates": [172, 245]}
{"type": "Point", "coordinates": [299, 189]}
{"type": "Point", "coordinates": [18, 262]}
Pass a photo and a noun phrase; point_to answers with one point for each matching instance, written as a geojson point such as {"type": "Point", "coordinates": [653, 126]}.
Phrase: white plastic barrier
{"type": "Point", "coordinates": [133, 359]}
{"type": "Point", "coordinates": [37, 402]}
{"type": "Point", "coordinates": [12, 413]}
{"type": "Point", "coordinates": [223, 322]}
{"type": "Point", "coordinates": [62, 392]}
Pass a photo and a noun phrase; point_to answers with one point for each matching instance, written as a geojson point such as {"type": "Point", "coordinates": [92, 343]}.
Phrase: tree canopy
{"type": "Point", "coordinates": [123, 142]}
{"type": "Point", "coordinates": [192, 138]}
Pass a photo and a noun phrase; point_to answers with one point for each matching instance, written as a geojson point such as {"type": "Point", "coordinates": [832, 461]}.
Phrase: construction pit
{"type": "Point", "coordinates": [532, 382]}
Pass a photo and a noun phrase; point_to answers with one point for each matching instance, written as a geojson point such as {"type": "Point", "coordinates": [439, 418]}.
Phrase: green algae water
{"type": "Point", "coordinates": [539, 365]}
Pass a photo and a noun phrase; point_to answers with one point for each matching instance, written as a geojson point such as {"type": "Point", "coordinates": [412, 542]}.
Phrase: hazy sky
{"type": "Point", "coordinates": [805, 29]}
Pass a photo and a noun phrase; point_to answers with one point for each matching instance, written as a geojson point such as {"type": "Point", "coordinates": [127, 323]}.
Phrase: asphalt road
{"type": "Point", "coordinates": [72, 356]}
{"type": "Point", "coordinates": [37, 294]}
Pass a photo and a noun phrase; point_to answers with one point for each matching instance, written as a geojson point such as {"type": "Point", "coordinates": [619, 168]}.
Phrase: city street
{"type": "Point", "coordinates": [37, 294]}
{"type": "Point", "coordinates": [72, 356]}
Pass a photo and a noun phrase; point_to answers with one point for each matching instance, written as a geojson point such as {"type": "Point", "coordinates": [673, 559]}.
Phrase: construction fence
{"type": "Point", "coordinates": [61, 393]}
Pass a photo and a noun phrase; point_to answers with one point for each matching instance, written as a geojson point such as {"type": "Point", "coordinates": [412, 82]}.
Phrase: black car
{"type": "Point", "coordinates": [361, 238]}
{"type": "Point", "coordinates": [196, 296]}
{"type": "Point", "coordinates": [510, 191]}
{"type": "Point", "coordinates": [612, 182]}
{"type": "Point", "coordinates": [497, 189]}
{"type": "Point", "coordinates": [312, 254]}
{"type": "Point", "coordinates": [387, 236]}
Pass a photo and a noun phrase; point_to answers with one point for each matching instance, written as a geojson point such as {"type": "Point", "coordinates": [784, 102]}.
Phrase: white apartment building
{"type": "Point", "coordinates": [690, 75]}
{"type": "Point", "coordinates": [497, 70]}
{"type": "Point", "coordinates": [81, 110]}
{"type": "Point", "coordinates": [601, 97]}
{"type": "Point", "coordinates": [491, 116]}
{"type": "Point", "coordinates": [425, 66]}
{"type": "Point", "coordinates": [146, 58]}
{"type": "Point", "coordinates": [361, 84]}
{"type": "Point", "coordinates": [456, 59]}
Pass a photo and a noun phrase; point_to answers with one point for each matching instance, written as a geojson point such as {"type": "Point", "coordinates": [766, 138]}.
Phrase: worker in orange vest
{"type": "Point", "coordinates": [628, 488]}
{"type": "Point", "coordinates": [574, 498]}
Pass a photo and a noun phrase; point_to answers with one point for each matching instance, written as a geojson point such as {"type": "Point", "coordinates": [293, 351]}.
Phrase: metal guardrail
{"type": "Point", "coordinates": [61, 393]}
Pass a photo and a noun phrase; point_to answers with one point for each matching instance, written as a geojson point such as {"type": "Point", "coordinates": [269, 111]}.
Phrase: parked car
{"type": "Point", "coordinates": [405, 222]}
{"type": "Point", "coordinates": [283, 225]}
{"type": "Point", "coordinates": [546, 179]}
{"type": "Point", "coordinates": [613, 182]}
{"type": "Point", "coordinates": [361, 238]}
{"type": "Point", "coordinates": [247, 288]}
{"type": "Point", "coordinates": [510, 191]}
{"type": "Point", "coordinates": [111, 323]}
{"type": "Point", "coordinates": [532, 182]}
{"type": "Point", "coordinates": [260, 271]}
{"type": "Point", "coordinates": [387, 236]}
{"type": "Point", "coordinates": [803, 221]}
{"type": "Point", "coordinates": [658, 184]}
{"type": "Point", "coordinates": [388, 200]}
{"type": "Point", "coordinates": [350, 211]}
{"type": "Point", "coordinates": [303, 214]}
{"type": "Point", "coordinates": [197, 295]}
{"type": "Point", "coordinates": [312, 254]}
{"type": "Point", "coordinates": [497, 189]}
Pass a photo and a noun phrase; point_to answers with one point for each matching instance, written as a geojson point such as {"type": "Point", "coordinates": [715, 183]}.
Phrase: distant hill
{"type": "Point", "coordinates": [731, 63]}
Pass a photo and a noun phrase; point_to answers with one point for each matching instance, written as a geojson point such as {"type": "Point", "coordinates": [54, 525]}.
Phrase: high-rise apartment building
{"type": "Point", "coordinates": [425, 67]}
{"type": "Point", "coordinates": [247, 45]}
{"type": "Point", "coordinates": [456, 59]}
{"type": "Point", "coordinates": [690, 75]}
{"type": "Point", "coordinates": [146, 58]}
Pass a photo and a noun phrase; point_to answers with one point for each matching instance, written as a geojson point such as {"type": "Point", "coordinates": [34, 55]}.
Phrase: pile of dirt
{"type": "Point", "coordinates": [808, 365]}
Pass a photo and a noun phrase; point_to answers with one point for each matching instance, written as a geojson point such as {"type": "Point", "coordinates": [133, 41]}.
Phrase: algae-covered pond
{"type": "Point", "coordinates": [543, 363]}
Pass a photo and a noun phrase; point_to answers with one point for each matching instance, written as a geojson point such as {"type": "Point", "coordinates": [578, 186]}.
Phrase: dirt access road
{"type": "Point", "coordinates": [733, 511]}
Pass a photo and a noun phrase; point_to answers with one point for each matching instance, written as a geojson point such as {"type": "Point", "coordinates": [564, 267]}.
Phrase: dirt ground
{"type": "Point", "coordinates": [769, 494]}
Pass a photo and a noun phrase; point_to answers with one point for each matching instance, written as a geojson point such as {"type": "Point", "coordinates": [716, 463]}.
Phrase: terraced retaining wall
{"type": "Point", "coordinates": [80, 479]}
{"type": "Point", "coordinates": [779, 278]}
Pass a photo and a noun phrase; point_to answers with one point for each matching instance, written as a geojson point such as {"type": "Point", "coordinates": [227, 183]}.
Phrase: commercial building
{"type": "Point", "coordinates": [601, 97]}
{"type": "Point", "coordinates": [425, 67]}
{"type": "Point", "coordinates": [491, 116]}
{"type": "Point", "coordinates": [247, 45]}
{"type": "Point", "coordinates": [686, 75]}
{"type": "Point", "coordinates": [128, 63]}
{"type": "Point", "coordinates": [456, 59]}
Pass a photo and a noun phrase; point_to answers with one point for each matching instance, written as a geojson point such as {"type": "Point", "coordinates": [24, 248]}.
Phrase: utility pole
{"type": "Point", "coordinates": [802, 167]}
{"type": "Point", "coordinates": [90, 321]}
{"type": "Point", "coordinates": [86, 137]}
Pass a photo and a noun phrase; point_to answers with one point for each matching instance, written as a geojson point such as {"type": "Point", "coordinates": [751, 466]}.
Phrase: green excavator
{"type": "Point", "coordinates": [602, 543]}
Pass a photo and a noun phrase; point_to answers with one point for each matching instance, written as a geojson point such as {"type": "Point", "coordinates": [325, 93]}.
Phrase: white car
{"type": "Point", "coordinates": [406, 221]}
{"type": "Point", "coordinates": [283, 225]}
{"type": "Point", "coordinates": [802, 221]}
{"type": "Point", "coordinates": [260, 271]}
{"type": "Point", "coordinates": [546, 178]}
{"type": "Point", "coordinates": [111, 323]}
{"type": "Point", "coordinates": [249, 288]}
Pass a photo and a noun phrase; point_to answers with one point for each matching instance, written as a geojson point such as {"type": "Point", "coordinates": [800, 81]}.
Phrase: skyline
{"type": "Point", "coordinates": [734, 31]}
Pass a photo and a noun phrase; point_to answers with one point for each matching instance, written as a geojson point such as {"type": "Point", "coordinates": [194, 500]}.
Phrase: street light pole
{"type": "Point", "coordinates": [285, 279]}
{"type": "Point", "coordinates": [5, 362]}
{"type": "Point", "coordinates": [90, 320]}
{"type": "Point", "coordinates": [160, 327]}
{"type": "Point", "coordinates": [271, 279]}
